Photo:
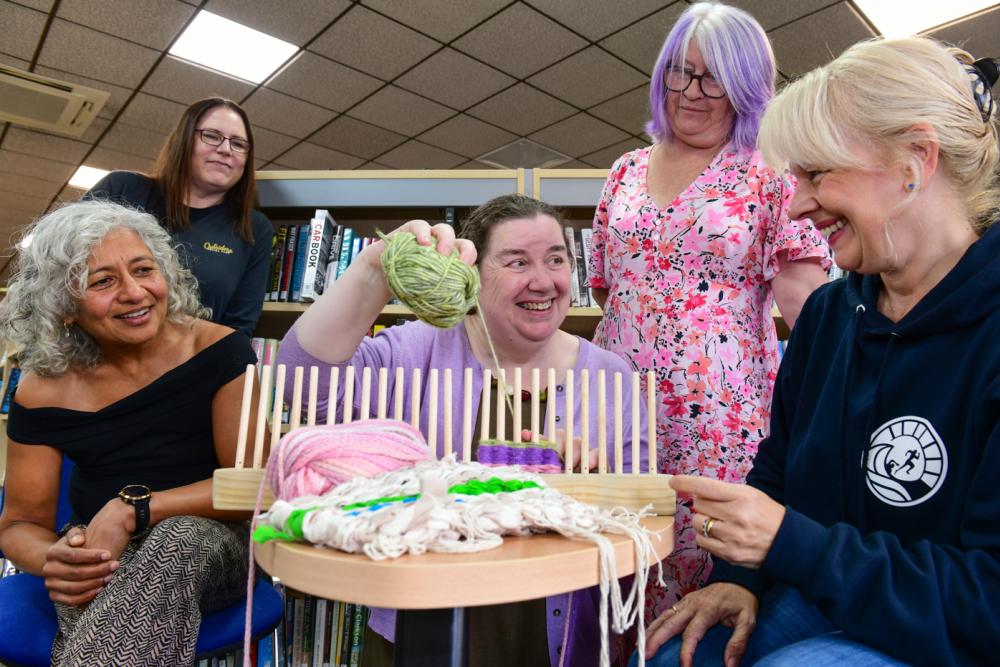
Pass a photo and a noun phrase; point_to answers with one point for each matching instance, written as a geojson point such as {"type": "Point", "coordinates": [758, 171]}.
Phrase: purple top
{"type": "Point", "coordinates": [418, 345]}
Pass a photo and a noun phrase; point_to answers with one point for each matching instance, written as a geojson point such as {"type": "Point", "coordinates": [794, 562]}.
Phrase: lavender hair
{"type": "Point", "coordinates": [737, 52]}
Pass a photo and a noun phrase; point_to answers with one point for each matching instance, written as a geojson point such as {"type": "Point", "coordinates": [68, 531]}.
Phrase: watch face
{"type": "Point", "coordinates": [134, 492]}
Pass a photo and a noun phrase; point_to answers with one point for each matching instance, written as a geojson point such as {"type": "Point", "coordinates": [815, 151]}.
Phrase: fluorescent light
{"type": "Point", "coordinates": [902, 18]}
{"type": "Point", "coordinates": [87, 177]}
{"type": "Point", "coordinates": [231, 48]}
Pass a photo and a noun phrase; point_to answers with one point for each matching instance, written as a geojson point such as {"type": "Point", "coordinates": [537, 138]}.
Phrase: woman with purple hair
{"type": "Point", "coordinates": [692, 241]}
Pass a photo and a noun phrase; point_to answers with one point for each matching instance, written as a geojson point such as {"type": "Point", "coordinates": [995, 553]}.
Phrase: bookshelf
{"type": "Point", "coordinates": [369, 200]}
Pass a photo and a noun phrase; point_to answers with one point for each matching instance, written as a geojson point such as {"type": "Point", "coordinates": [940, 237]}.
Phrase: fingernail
{"type": "Point", "coordinates": [108, 579]}
{"type": "Point", "coordinates": [105, 555]}
{"type": "Point", "coordinates": [114, 565]}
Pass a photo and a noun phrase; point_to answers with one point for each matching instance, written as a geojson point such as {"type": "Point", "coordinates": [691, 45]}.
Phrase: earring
{"type": "Point", "coordinates": [67, 329]}
{"type": "Point", "coordinates": [910, 186]}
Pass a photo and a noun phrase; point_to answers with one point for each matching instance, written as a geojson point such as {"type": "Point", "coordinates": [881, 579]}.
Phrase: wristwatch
{"type": "Point", "coordinates": [138, 495]}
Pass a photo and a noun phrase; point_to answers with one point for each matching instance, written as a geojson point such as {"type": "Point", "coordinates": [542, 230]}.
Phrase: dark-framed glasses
{"type": "Point", "coordinates": [215, 138]}
{"type": "Point", "coordinates": [677, 79]}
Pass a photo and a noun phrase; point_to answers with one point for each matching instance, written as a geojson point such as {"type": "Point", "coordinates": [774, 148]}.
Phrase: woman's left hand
{"type": "Point", "coordinates": [741, 521]}
{"type": "Point", "coordinates": [111, 528]}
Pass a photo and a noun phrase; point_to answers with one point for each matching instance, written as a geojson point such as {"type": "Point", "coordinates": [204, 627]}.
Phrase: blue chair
{"type": "Point", "coordinates": [28, 623]}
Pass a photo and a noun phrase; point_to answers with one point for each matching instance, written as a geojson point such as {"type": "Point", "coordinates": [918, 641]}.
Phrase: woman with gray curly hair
{"type": "Point", "coordinates": [121, 378]}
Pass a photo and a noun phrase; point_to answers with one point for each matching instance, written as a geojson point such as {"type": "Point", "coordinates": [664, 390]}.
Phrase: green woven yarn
{"type": "Point", "coordinates": [439, 290]}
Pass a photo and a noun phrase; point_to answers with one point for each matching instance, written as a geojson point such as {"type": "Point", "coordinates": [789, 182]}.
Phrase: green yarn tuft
{"type": "Point", "coordinates": [439, 290]}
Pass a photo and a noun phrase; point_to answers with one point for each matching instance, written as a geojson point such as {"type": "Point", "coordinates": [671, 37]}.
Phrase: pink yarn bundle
{"type": "Point", "coordinates": [311, 460]}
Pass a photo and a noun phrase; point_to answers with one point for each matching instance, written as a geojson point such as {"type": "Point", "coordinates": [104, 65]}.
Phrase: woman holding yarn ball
{"type": "Point", "coordinates": [517, 245]}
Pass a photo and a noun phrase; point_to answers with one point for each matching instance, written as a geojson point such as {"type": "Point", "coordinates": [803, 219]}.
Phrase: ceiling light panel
{"type": "Point", "coordinates": [231, 48]}
{"type": "Point", "coordinates": [902, 18]}
{"type": "Point", "coordinates": [87, 177]}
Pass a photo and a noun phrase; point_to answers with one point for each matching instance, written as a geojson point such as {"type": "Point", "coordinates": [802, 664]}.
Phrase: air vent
{"type": "Point", "coordinates": [526, 154]}
{"type": "Point", "coordinates": [47, 104]}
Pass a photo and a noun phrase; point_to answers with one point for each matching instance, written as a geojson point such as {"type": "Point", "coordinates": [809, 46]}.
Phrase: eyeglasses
{"type": "Point", "coordinates": [678, 79]}
{"type": "Point", "coordinates": [215, 138]}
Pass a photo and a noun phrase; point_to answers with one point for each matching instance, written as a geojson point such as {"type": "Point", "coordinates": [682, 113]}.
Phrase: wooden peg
{"type": "Point", "coordinates": [569, 409]}
{"type": "Point", "coordinates": [279, 406]}
{"type": "Point", "coordinates": [485, 405]}
{"type": "Point", "coordinates": [602, 422]}
{"type": "Point", "coordinates": [501, 404]}
{"type": "Point", "coordinates": [651, 421]}
{"type": "Point", "coordinates": [313, 393]}
{"type": "Point", "coordinates": [432, 413]}
{"type": "Point", "coordinates": [518, 405]}
{"type": "Point", "coordinates": [536, 424]}
{"type": "Point", "coordinates": [348, 407]}
{"type": "Point", "coordinates": [585, 421]}
{"type": "Point", "coordinates": [636, 425]}
{"type": "Point", "coordinates": [261, 429]}
{"type": "Point", "coordinates": [467, 424]}
{"type": "Point", "coordinates": [619, 419]}
{"type": "Point", "coordinates": [366, 393]}
{"type": "Point", "coordinates": [415, 399]}
{"type": "Point", "coordinates": [550, 405]}
{"type": "Point", "coordinates": [447, 397]}
{"type": "Point", "coordinates": [244, 429]}
{"type": "Point", "coordinates": [295, 418]}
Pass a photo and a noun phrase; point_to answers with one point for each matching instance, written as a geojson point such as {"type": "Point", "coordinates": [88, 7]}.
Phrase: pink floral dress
{"type": "Point", "coordinates": [690, 298]}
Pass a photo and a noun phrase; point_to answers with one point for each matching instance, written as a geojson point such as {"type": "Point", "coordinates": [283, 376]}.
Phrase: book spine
{"type": "Point", "coordinates": [345, 251]}
{"type": "Point", "coordinates": [301, 246]}
{"type": "Point", "coordinates": [311, 263]}
{"type": "Point", "coordinates": [574, 288]}
{"type": "Point", "coordinates": [357, 633]}
{"type": "Point", "coordinates": [587, 241]}
{"type": "Point", "coordinates": [287, 262]}
{"type": "Point", "coordinates": [319, 633]}
{"type": "Point", "coordinates": [345, 635]}
{"type": "Point", "coordinates": [334, 259]}
{"type": "Point", "coordinates": [581, 269]}
{"type": "Point", "coordinates": [277, 258]}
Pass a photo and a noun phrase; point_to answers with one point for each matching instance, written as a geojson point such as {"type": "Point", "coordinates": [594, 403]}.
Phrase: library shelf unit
{"type": "Point", "coordinates": [383, 199]}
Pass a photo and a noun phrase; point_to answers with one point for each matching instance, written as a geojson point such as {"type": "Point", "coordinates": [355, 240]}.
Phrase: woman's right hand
{"type": "Point", "coordinates": [731, 605]}
{"type": "Point", "coordinates": [425, 235]}
{"type": "Point", "coordinates": [74, 574]}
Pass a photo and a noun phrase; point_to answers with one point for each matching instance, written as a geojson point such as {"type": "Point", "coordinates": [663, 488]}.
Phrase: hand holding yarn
{"type": "Point", "coordinates": [438, 284]}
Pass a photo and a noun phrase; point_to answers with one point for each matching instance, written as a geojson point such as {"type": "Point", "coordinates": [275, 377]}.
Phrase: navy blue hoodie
{"type": "Point", "coordinates": [885, 449]}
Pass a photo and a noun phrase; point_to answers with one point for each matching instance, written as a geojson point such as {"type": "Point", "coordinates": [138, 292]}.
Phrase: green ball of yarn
{"type": "Point", "coordinates": [439, 289]}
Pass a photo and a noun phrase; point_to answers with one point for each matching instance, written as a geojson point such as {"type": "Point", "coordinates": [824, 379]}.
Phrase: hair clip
{"type": "Point", "coordinates": [984, 74]}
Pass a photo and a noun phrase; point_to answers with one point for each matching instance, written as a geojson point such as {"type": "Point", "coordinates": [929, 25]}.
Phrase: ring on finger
{"type": "Point", "coordinates": [706, 527]}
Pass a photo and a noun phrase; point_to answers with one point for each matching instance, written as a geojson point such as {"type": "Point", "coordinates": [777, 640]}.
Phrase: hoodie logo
{"type": "Point", "coordinates": [906, 462]}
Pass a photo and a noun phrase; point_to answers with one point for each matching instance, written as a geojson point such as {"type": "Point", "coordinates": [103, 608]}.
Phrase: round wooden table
{"type": "Point", "coordinates": [432, 590]}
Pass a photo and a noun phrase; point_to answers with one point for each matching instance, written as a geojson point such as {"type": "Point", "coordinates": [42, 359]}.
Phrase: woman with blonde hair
{"type": "Point", "coordinates": [868, 532]}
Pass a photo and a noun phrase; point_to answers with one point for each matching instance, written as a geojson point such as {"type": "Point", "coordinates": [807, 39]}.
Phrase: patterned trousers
{"type": "Point", "coordinates": [150, 612]}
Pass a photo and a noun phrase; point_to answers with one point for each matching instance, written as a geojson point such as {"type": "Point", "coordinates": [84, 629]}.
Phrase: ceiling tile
{"type": "Point", "coordinates": [321, 81]}
{"type": "Point", "coordinates": [12, 201]}
{"type": "Point", "coordinates": [10, 224]}
{"type": "Point", "coordinates": [74, 48]}
{"type": "Point", "coordinates": [40, 5]}
{"type": "Point", "coordinates": [575, 164]}
{"type": "Point", "coordinates": [473, 164]}
{"type": "Point", "coordinates": [595, 19]}
{"type": "Point", "coordinates": [438, 18]}
{"type": "Point", "coordinates": [119, 95]}
{"type": "Point", "coordinates": [579, 135]}
{"type": "Point", "coordinates": [814, 40]}
{"type": "Point", "coordinates": [153, 23]}
{"type": "Point", "coordinates": [267, 145]}
{"type": "Point", "coordinates": [772, 14]}
{"type": "Point", "coordinates": [105, 158]}
{"type": "Point", "coordinates": [22, 28]}
{"type": "Point", "coordinates": [418, 155]}
{"type": "Point", "coordinates": [467, 136]}
{"type": "Point", "coordinates": [35, 167]}
{"type": "Point", "coordinates": [353, 136]}
{"type": "Point", "coordinates": [605, 157]}
{"type": "Point", "coordinates": [296, 22]}
{"type": "Point", "coordinates": [373, 44]}
{"type": "Point", "coordinates": [519, 41]}
{"type": "Point", "coordinates": [25, 185]}
{"type": "Point", "coordinates": [574, 79]}
{"type": "Point", "coordinates": [454, 78]}
{"type": "Point", "coordinates": [977, 35]}
{"type": "Point", "coordinates": [42, 144]}
{"type": "Point", "coordinates": [401, 111]}
{"type": "Point", "coordinates": [285, 114]}
{"type": "Point", "coordinates": [521, 109]}
{"type": "Point", "coordinates": [134, 140]}
{"type": "Point", "coordinates": [152, 113]}
{"type": "Point", "coordinates": [94, 132]}
{"type": "Point", "coordinates": [628, 112]}
{"type": "Point", "coordinates": [11, 61]}
{"type": "Point", "coordinates": [311, 156]}
{"type": "Point", "coordinates": [69, 194]}
{"type": "Point", "coordinates": [639, 44]}
{"type": "Point", "coordinates": [184, 82]}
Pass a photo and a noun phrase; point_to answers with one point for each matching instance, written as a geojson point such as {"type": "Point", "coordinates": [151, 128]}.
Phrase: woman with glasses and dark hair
{"type": "Point", "coordinates": [203, 192]}
{"type": "Point", "coordinates": [692, 242]}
